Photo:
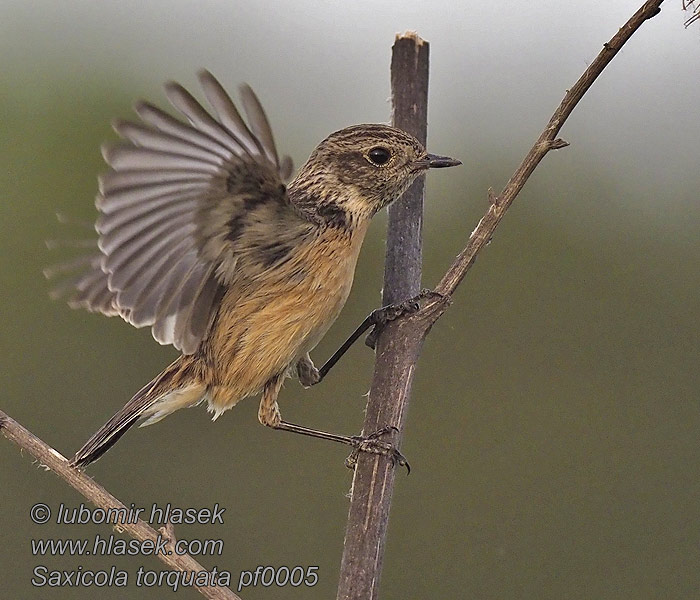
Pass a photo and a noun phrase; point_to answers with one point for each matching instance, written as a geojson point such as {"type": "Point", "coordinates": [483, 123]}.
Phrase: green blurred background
{"type": "Point", "coordinates": [553, 431]}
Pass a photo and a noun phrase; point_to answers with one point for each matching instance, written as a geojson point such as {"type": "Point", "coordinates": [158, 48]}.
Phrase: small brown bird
{"type": "Point", "coordinates": [200, 240]}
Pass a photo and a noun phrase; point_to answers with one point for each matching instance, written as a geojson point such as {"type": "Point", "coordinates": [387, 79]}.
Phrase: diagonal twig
{"type": "Point", "coordinates": [546, 142]}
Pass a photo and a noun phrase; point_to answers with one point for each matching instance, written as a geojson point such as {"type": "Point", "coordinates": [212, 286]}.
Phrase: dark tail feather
{"type": "Point", "coordinates": [104, 439]}
{"type": "Point", "coordinates": [108, 435]}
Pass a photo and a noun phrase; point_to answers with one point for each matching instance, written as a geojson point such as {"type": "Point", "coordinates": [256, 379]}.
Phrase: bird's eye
{"type": "Point", "coordinates": [379, 155]}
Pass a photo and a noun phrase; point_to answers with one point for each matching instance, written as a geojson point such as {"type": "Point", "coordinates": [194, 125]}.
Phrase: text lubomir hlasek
{"type": "Point", "coordinates": [156, 515]}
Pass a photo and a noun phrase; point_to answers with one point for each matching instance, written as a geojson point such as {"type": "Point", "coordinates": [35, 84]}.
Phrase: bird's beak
{"type": "Point", "coordinates": [438, 162]}
{"type": "Point", "coordinates": [433, 161]}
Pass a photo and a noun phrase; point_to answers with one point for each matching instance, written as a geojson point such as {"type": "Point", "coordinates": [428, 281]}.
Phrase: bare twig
{"type": "Point", "coordinates": [546, 142]}
{"type": "Point", "coordinates": [100, 497]}
{"type": "Point", "coordinates": [399, 344]}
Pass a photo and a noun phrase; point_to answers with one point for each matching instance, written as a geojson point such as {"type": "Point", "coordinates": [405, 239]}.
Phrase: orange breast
{"type": "Point", "coordinates": [265, 326]}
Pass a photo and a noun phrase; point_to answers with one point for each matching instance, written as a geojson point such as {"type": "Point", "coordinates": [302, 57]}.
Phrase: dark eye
{"type": "Point", "coordinates": [379, 155]}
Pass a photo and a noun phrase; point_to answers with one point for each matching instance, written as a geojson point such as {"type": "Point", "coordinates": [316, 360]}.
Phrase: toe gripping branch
{"type": "Point", "coordinates": [373, 445]}
{"type": "Point", "coordinates": [380, 317]}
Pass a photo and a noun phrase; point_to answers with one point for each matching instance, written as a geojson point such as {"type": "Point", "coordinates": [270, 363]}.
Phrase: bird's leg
{"type": "Point", "coordinates": [377, 319]}
{"type": "Point", "coordinates": [269, 415]}
{"type": "Point", "coordinates": [360, 443]}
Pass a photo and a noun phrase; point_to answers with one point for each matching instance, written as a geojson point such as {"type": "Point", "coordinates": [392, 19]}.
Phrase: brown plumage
{"type": "Point", "coordinates": [199, 239]}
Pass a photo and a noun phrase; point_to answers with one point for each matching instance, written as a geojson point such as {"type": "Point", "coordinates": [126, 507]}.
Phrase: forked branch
{"type": "Point", "coordinates": [400, 343]}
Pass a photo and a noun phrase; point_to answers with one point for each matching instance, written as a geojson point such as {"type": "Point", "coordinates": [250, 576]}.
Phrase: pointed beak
{"type": "Point", "coordinates": [438, 162]}
{"type": "Point", "coordinates": [433, 161]}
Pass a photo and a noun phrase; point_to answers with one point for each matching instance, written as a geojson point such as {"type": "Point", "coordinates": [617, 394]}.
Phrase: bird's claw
{"type": "Point", "coordinates": [373, 445]}
{"type": "Point", "coordinates": [381, 316]}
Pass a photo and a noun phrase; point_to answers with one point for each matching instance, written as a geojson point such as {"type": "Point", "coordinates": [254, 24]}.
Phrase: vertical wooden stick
{"type": "Point", "coordinates": [397, 353]}
{"type": "Point", "coordinates": [409, 97]}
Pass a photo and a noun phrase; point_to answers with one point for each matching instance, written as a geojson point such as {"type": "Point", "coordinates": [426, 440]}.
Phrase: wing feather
{"type": "Point", "coordinates": [165, 207]}
{"type": "Point", "coordinates": [187, 300]}
{"type": "Point", "coordinates": [199, 118]}
{"type": "Point", "coordinates": [127, 156]}
{"type": "Point", "coordinates": [144, 294]}
{"type": "Point", "coordinates": [137, 271]}
{"type": "Point", "coordinates": [85, 289]}
{"type": "Point", "coordinates": [151, 139]}
{"type": "Point", "coordinates": [168, 124]}
{"type": "Point", "coordinates": [116, 263]}
{"type": "Point", "coordinates": [115, 236]}
{"type": "Point", "coordinates": [112, 181]}
{"type": "Point", "coordinates": [166, 312]}
{"type": "Point", "coordinates": [148, 298]}
{"type": "Point", "coordinates": [145, 202]}
{"type": "Point", "coordinates": [259, 123]}
{"type": "Point", "coordinates": [228, 114]}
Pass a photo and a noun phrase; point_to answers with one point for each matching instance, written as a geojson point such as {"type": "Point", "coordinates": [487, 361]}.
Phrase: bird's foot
{"type": "Point", "coordinates": [373, 445]}
{"type": "Point", "coordinates": [381, 316]}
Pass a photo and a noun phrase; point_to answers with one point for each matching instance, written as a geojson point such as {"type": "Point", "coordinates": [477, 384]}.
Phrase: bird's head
{"type": "Point", "coordinates": [361, 169]}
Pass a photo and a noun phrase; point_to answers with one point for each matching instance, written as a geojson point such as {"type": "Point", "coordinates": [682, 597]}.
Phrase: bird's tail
{"type": "Point", "coordinates": [178, 386]}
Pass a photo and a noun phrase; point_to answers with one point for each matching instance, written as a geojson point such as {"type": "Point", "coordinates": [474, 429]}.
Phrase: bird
{"type": "Point", "coordinates": [203, 237]}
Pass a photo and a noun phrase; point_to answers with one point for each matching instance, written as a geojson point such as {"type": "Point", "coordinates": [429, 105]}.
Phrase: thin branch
{"type": "Point", "coordinates": [100, 497]}
{"type": "Point", "coordinates": [397, 353]}
{"type": "Point", "coordinates": [546, 142]}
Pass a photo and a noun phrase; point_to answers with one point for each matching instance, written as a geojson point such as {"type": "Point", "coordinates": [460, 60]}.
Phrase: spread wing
{"type": "Point", "coordinates": [169, 208]}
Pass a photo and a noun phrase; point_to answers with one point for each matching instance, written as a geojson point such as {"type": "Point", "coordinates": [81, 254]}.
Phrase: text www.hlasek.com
{"type": "Point", "coordinates": [114, 546]}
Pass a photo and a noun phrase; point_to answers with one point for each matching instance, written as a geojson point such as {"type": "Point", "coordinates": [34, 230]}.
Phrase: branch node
{"type": "Point", "coordinates": [547, 145]}
{"type": "Point", "coordinates": [168, 532]}
{"type": "Point", "coordinates": [435, 297]}
{"type": "Point", "coordinates": [493, 199]}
